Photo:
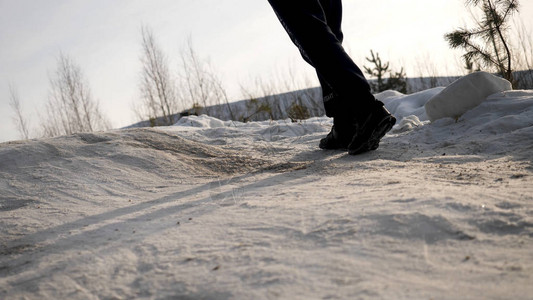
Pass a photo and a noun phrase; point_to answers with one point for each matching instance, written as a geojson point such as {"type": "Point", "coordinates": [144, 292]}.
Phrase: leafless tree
{"type": "Point", "coordinates": [158, 90]}
{"type": "Point", "coordinates": [70, 107]}
{"type": "Point", "coordinates": [286, 93]}
{"type": "Point", "coordinates": [199, 83]}
{"type": "Point", "coordinates": [19, 120]}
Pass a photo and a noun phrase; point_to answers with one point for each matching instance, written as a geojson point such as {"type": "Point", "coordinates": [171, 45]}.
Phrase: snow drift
{"type": "Point", "coordinates": [463, 94]}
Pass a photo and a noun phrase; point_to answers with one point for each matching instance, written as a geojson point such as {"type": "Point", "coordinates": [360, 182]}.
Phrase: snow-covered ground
{"type": "Point", "coordinates": [211, 209]}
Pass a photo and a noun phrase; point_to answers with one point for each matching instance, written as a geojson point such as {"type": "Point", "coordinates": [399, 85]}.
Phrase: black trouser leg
{"type": "Point", "coordinates": [314, 27]}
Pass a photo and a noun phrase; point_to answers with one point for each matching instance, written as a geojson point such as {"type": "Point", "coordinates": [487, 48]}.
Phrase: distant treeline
{"type": "Point", "coordinates": [307, 103]}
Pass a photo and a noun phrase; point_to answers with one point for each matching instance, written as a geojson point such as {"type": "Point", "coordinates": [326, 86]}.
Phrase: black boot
{"type": "Point", "coordinates": [370, 129]}
{"type": "Point", "coordinates": [341, 135]}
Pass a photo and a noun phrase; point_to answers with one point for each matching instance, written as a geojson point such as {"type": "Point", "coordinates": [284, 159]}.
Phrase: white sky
{"type": "Point", "coordinates": [241, 38]}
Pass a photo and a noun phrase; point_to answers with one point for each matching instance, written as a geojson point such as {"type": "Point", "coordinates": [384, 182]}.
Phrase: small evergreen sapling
{"type": "Point", "coordinates": [396, 80]}
{"type": "Point", "coordinates": [487, 44]}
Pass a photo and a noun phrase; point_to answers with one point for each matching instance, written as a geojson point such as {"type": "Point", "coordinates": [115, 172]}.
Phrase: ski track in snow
{"type": "Point", "coordinates": [225, 210]}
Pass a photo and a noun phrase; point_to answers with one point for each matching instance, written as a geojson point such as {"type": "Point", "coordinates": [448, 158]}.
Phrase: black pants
{"type": "Point", "coordinates": [315, 28]}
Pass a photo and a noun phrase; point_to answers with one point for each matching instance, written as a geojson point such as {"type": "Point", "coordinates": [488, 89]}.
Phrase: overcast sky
{"type": "Point", "coordinates": [241, 38]}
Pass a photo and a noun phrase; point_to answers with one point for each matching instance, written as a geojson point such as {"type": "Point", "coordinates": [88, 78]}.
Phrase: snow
{"type": "Point", "coordinates": [464, 94]}
{"type": "Point", "coordinates": [212, 209]}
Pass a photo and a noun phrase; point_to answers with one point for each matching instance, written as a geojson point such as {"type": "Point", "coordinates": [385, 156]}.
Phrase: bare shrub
{"type": "Point", "coordinates": [429, 75]}
{"type": "Point", "coordinates": [70, 107]}
{"type": "Point", "coordinates": [18, 119]}
{"type": "Point", "coordinates": [523, 56]}
{"type": "Point", "coordinates": [199, 84]}
{"type": "Point", "coordinates": [298, 112]}
{"type": "Point", "coordinates": [282, 96]}
{"type": "Point", "coordinates": [159, 101]}
{"type": "Point", "coordinates": [255, 107]}
{"type": "Point", "coordinates": [259, 94]}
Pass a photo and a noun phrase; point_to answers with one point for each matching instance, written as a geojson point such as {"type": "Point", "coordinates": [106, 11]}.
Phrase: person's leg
{"type": "Point", "coordinates": [359, 120]}
{"type": "Point", "coordinates": [333, 14]}
{"type": "Point", "coordinates": [308, 24]}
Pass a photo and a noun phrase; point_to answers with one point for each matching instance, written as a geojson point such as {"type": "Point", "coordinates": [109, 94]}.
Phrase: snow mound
{"type": "Point", "coordinates": [264, 130]}
{"type": "Point", "coordinates": [501, 125]}
{"type": "Point", "coordinates": [408, 123]}
{"type": "Point", "coordinates": [402, 106]}
{"type": "Point", "coordinates": [464, 94]}
{"type": "Point", "coordinates": [203, 121]}
{"type": "Point", "coordinates": [502, 113]}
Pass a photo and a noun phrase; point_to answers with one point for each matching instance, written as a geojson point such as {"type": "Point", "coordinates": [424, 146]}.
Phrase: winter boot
{"type": "Point", "coordinates": [370, 129]}
{"type": "Point", "coordinates": [341, 135]}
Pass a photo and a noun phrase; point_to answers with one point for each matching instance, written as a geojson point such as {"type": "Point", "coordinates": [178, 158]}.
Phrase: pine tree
{"type": "Point", "coordinates": [396, 81]}
{"type": "Point", "coordinates": [487, 44]}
